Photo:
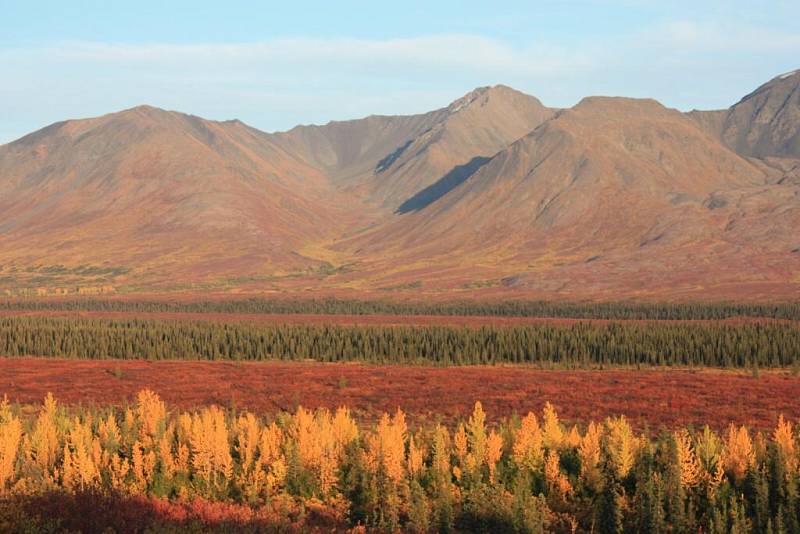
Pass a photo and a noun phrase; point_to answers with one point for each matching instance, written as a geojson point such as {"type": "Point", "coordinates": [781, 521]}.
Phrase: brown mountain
{"type": "Point", "coordinates": [387, 159]}
{"type": "Point", "coordinates": [767, 121]}
{"type": "Point", "coordinates": [161, 194]}
{"type": "Point", "coordinates": [614, 196]}
{"type": "Point", "coordinates": [494, 194]}
{"type": "Point", "coordinates": [764, 125]}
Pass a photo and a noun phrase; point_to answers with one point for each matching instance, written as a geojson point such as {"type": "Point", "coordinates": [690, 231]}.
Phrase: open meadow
{"type": "Point", "coordinates": [649, 398]}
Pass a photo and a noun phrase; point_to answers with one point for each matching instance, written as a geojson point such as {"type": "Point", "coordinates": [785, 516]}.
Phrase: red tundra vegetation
{"type": "Point", "coordinates": [649, 398]}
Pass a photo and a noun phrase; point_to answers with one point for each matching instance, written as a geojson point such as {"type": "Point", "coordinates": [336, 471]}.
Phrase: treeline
{"type": "Point", "coordinates": [587, 310]}
{"type": "Point", "coordinates": [577, 345]}
{"type": "Point", "coordinates": [532, 474]}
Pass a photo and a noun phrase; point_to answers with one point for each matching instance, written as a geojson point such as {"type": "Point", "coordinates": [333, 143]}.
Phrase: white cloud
{"type": "Point", "coordinates": [279, 83]}
{"type": "Point", "coordinates": [716, 36]}
{"type": "Point", "coordinates": [472, 52]}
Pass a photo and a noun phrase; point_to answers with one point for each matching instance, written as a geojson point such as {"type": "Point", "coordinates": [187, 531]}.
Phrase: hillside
{"type": "Point", "coordinates": [493, 195]}
{"type": "Point", "coordinates": [389, 159]}
{"type": "Point", "coordinates": [160, 194]}
{"type": "Point", "coordinates": [614, 196]}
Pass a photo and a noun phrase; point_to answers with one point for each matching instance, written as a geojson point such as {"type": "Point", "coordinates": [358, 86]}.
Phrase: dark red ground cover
{"type": "Point", "coordinates": [650, 398]}
{"type": "Point", "coordinates": [94, 511]}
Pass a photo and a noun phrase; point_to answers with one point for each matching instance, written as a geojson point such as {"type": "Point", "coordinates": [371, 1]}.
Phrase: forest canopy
{"type": "Point", "coordinates": [576, 345]}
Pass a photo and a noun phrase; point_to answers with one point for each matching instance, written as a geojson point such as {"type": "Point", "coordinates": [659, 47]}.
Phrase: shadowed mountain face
{"type": "Point", "coordinates": [386, 160]}
{"type": "Point", "coordinates": [494, 194]}
{"type": "Point", "coordinates": [767, 121]}
{"type": "Point", "coordinates": [614, 196]}
{"type": "Point", "coordinates": [444, 185]}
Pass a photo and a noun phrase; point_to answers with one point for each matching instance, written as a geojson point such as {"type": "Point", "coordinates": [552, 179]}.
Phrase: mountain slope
{"type": "Point", "coordinates": [161, 194]}
{"type": "Point", "coordinates": [388, 159]}
{"type": "Point", "coordinates": [767, 121]}
{"type": "Point", "coordinates": [589, 202]}
{"type": "Point", "coordinates": [493, 195]}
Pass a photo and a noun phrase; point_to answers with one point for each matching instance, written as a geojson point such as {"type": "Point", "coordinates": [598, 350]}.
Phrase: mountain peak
{"type": "Point", "coordinates": [485, 93]}
{"type": "Point", "coordinates": [767, 121]}
{"type": "Point", "coordinates": [787, 80]}
{"type": "Point", "coordinates": [144, 110]}
{"type": "Point", "coordinates": [791, 74]}
{"type": "Point", "coordinates": [461, 103]}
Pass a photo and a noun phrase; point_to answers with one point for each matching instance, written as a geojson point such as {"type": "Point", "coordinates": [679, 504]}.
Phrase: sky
{"type": "Point", "coordinates": [276, 65]}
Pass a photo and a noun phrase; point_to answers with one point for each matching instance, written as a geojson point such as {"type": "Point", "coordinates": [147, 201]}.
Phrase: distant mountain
{"type": "Point", "coordinates": [767, 121]}
{"type": "Point", "coordinates": [165, 195]}
{"type": "Point", "coordinates": [388, 159]}
{"type": "Point", "coordinates": [764, 124]}
{"type": "Point", "coordinates": [493, 195]}
{"type": "Point", "coordinates": [612, 197]}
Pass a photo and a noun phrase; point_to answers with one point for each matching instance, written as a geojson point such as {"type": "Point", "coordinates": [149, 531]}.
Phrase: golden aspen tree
{"type": "Point", "coordinates": [460, 448]}
{"type": "Point", "coordinates": [270, 444]}
{"type": "Point", "coordinates": [589, 455]}
{"type": "Point", "coordinates": [416, 458]}
{"type": "Point", "coordinates": [476, 434]}
{"type": "Point", "coordinates": [552, 431]}
{"type": "Point", "coordinates": [183, 443]}
{"type": "Point", "coordinates": [118, 470]}
{"type": "Point", "coordinates": [557, 482]}
{"type": "Point", "coordinates": [102, 458]}
{"type": "Point", "coordinates": [572, 439]}
{"type": "Point", "coordinates": [440, 456]}
{"type": "Point", "coordinates": [44, 443]}
{"type": "Point", "coordinates": [391, 436]}
{"type": "Point", "coordinates": [320, 441]}
{"type": "Point", "coordinates": [166, 457]}
{"type": "Point", "coordinates": [130, 433]}
{"type": "Point", "coordinates": [247, 434]}
{"type": "Point", "coordinates": [211, 454]}
{"type": "Point", "coordinates": [79, 470]}
{"type": "Point", "coordinates": [68, 469]}
{"type": "Point", "coordinates": [182, 458]}
{"type": "Point", "coordinates": [691, 470]}
{"type": "Point", "coordinates": [10, 439]}
{"type": "Point", "coordinates": [461, 443]}
{"type": "Point", "coordinates": [622, 444]}
{"type": "Point", "coordinates": [527, 450]}
{"type": "Point", "coordinates": [708, 448]}
{"type": "Point", "coordinates": [345, 429]}
{"type": "Point", "coordinates": [151, 412]}
{"type": "Point", "coordinates": [138, 466]}
{"type": "Point", "coordinates": [784, 439]}
{"type": "Point", "coordinates": [385, 460]}
{"type": "Point", "coordinates": [494, 451]}
{"type": "Point", "coordinates": [372, 453]}
{"type": "Point", "coordinates": [738, 455]}
{"type": "Point", "coordinates": [327, 460]}
{"type": "Point", "coordinates": [109, 433]}
{"type": "Point", "coordinates": [301, 432]}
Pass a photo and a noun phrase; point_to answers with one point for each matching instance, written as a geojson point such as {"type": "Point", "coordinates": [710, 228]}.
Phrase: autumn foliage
{"type": "Point", "coordinates": [148, 466]}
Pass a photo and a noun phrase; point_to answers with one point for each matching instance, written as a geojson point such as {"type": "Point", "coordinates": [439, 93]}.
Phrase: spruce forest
{"type": "Point", "coordinates": [744, 345]}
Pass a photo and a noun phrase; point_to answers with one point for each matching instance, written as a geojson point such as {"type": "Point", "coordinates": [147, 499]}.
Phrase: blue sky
{"type": "Point", "coordinates": [278, 65]}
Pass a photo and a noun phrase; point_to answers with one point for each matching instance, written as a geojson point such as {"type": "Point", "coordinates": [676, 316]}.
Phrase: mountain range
{"type": "Point", "coordinates": [495, 195]}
